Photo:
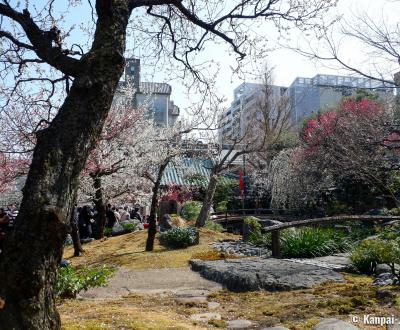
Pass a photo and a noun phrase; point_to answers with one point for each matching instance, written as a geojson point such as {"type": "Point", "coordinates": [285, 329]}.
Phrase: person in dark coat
{"type": "Point", "coordinates": [111, 218]}
{"type": "Point", "coordinates": [85, 222]}
{"type": "Point", "coordinates": [166, 223]}
{"type": "Point", "coordinates": [136, 215]}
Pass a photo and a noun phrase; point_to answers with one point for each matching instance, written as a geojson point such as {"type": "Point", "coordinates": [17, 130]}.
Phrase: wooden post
{"type": "Point", "coordinates": [276, 249]}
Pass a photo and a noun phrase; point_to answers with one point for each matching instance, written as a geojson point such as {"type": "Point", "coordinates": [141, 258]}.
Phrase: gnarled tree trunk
{"type": "Point", "coordinates": [152, 231]}
{"type": "Point", "coordinates": [208, 199]}
{"type": "Point", "coordinates": [28, 266]}
{"type": "Point", "coordinates": [74, 219]}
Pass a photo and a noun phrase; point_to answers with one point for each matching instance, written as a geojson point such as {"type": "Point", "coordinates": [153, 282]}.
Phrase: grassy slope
{"type": "Point", "coordinates": [297, 310]}
{"type": "Point", "coordinates": [128, 251]}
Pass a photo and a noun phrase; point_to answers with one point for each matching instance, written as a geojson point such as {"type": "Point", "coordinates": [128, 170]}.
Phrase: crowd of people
{"type": "Point", "coordinates": [87, 218]}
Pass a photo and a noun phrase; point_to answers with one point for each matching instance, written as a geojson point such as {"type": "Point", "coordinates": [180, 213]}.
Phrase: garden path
{"type": "Point", "coordinates": [178, 281]}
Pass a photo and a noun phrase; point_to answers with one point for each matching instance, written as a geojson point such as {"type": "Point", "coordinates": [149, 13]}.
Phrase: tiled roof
{"type": "Point", "coordinates": [155, 88]}
{"type": "Point", "coordinates": [172, 175]}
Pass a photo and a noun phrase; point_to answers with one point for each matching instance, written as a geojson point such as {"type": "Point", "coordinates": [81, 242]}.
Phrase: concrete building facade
{"type": "Point", "coordinates": [308, 96]}
{"type": "Point", "coordinates": [152, 95]}
{"type": "Point", "coordinates": [246, 106]}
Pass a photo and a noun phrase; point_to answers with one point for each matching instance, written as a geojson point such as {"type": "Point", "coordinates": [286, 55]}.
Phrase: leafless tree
{"type": "Point", "coordinates": [251, 131]}
{"type": "Point", "coordinates": [377, 37]}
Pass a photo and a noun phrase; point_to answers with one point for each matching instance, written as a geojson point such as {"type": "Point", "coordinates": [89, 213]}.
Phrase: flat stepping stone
{"type": "Point", "coordinates": [187, 293]}
{"type": "Point", "coordinates": [205, 317]}
{"type": "Point", "coordinates": [239, 324]}
{"type": "Point", "coordinates": [334, 324]}
{"type": "Point", "coordinates": [213, 305]}
{"type": "Point", "coordinates": [252, 274]}
{"type": "Point", "coordinates": [191, 300]}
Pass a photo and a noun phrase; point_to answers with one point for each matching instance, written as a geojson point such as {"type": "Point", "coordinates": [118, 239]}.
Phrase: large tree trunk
{"type": "Point", "coordinates": [74, 219]}
{"type": "Point", "coordinates": [76, 239]}
{"type": "Point", "coordinates": [208, 200]}
{"type": "Point", "coordinates": [152, 231]}
{"type": "Point", "coordinates": [100, 207]}
{"type": "Point", "coordinates": [28, 266]}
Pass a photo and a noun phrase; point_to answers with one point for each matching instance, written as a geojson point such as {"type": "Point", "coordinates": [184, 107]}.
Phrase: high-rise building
{"type": "Point", "coordinates": [246, 105]}
{"type": "Point", "coordinates": [308, 96]}
{"type": "Point", "coordinates": [303, 98]}
{"type": "Point", "coordinates": [154, 96]}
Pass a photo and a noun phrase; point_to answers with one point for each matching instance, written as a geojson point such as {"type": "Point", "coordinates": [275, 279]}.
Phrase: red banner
{"type": "Point", "coordinates": [241, 181]}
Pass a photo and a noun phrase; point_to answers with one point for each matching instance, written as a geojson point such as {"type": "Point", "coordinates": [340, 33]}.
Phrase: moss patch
{"type": "Point", "coordinates": [119, 314]}
{"type": "Point", "coordinates": [302, 309]}
{"type": "Point", "coordinates": [298, 310]}
{"type": "Point", "coordinates": [213, 255]}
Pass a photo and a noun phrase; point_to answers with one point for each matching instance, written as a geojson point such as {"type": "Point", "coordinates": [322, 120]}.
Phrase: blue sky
{"type": "Point", "coordinates": [288, 64]}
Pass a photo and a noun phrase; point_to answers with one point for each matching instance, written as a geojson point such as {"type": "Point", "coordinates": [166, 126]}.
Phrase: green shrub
{"type": "Point", "coordinates": [129, 226]}
{"type": "Point", "coordinates": [372, 252]}
{"type": "Point", "coordinates": [71, 281]}
{"type": "Point", "coordinates": [107, 231]}
{"type": "Point", "coordinates": [255, 235]}
{"type": "Point", "coordinates": [210, 224]}
{"type": "Point", "coordinates": [177, 238]}
{"type": "Point", "coordinates": [384, 211]}
{"type": "Point", "coordinates": [191, 210]}
{"type": "Point", "coordinates": [313, 242]}
{"type": "Point", "coordinates": [395, 211]}
{"type": "Point", "coordinates": [360, 230]}
{"type": "Point", "coordinates": [365, 258]}
{"type": "Point", "coordinates": [335, 207]}
{"type": "Point", "coordinates": [222, 206]}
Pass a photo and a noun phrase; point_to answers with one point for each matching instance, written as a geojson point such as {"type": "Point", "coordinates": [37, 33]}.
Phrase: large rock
{"type": "Point", "coordinates": [253, 274]}
{"type": "Point", "coordinates": [338, 262]}
{"type": "Point", "coordinates": [334, 324]}
{"type": "Point", "coordinates": [68, 240]}
{"type": "Point", "coordinates": [385, 279]}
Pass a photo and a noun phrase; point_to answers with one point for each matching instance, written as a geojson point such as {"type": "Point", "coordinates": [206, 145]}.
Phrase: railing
{"type": "Point", "coordinates": [226, 215]}
{"type": "Point", "coordinates": [274, 230]}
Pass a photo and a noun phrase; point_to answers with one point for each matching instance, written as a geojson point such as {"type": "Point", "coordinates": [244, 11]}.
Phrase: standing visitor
{"type": "Point", "coordinates": [136, 215]}
{"type": "Point", "coordinates": [125, 214]}
{"type": "Point", "coordinates": [111, 218]}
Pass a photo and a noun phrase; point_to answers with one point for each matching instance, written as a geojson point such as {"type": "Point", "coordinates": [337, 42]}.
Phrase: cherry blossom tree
{"type": "Point", "coordinates": [11, 168]}
{"type": "Point", "coordinates": [109, 170]}
{"type": "Point", "coordinates": [349, 144]}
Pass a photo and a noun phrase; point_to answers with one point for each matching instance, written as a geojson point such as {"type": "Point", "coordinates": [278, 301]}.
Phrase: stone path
{"type": "Point", "coordinates": [179, 280]}
{"type": "Point", "coordinates": [189, 288]}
